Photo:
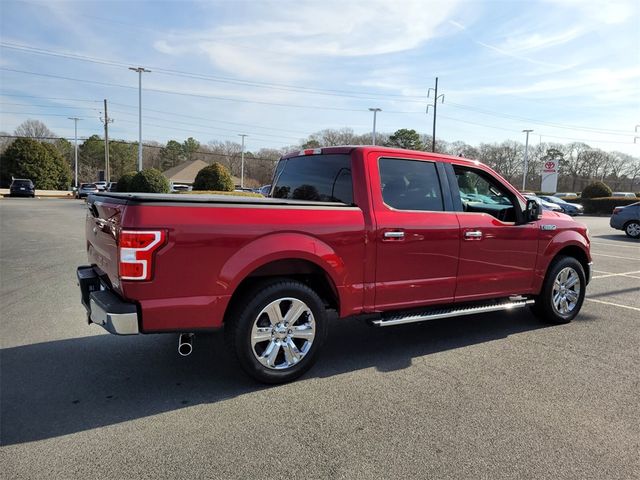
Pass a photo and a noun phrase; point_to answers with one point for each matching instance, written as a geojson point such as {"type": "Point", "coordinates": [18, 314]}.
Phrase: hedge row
{"type": "Point", "coordinates": [221, 192]}
{"type": "Point", "coordinates": [605, 205]}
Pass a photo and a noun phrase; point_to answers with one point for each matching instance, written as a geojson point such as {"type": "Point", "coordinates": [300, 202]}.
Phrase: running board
{"type": "Point", "coordinates": [400, 319]}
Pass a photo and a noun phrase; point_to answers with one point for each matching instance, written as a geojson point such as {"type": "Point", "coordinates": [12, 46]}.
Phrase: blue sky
{"type": "Point", "coordinates": [280, 70]}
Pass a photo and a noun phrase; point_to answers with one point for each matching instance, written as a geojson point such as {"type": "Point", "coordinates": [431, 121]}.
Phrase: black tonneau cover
{"type": "Point", "coordinates": [141, 198]}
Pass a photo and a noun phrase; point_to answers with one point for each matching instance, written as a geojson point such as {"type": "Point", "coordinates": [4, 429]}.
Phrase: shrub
{"type": "Point", "coordinates": [229, 194]}
{"type": "Point", "coordinates": [214, 177]}
{"type": "Point", "coordinates": [149, 180]}
{"type": "Point", "coordinates": [596, 190]}
{"type": "Point", "coordinates": [605, 205]}
{"type": "Point", "coordinates": [124, 182]}
{"type": "Point", "coordinates": [41, 162]}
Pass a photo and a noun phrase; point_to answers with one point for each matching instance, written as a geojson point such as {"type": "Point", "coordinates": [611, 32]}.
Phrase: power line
{"type": "Point", "coordinates": [188, 94]}
{"type": "Point", "coordinates": [285, 87]}
{"type": "Point", "coordinates": [213, 78]}
{"type": "Point", "coordinates": [207, 119]}
{"type": "Point", "coordinates": [549, 124]}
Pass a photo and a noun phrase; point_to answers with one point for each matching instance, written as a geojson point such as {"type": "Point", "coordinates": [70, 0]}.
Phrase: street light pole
{"type": "Point", "coordinates": [140, 71]}
{"type": "Point", "coordinates": [242, 160]}
{"type": "Point", "coordinates": [75, 128]}
{"type": "Point", "coordinates": [375, 111]}
{"type": "Point", "coordinates": [526, 160]}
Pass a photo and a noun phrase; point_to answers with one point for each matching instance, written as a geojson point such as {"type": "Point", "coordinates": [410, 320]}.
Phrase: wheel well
{"type": "Point", "coordinates": [578, 254]}
{"type": "Point", "coordinates": [296, 269]}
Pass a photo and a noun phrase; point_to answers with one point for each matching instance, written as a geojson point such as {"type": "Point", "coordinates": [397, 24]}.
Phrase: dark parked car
{"type": "Point", "coordinates": [22, 187]}
{"type": "Point", "coordinates": [112, 187]}
{"type": "Point", "coordinates": [568, 208]}
{"type": "Point", "coordinates": [627, 219]}
{"type": "Point", "coordinates": [85, 189]}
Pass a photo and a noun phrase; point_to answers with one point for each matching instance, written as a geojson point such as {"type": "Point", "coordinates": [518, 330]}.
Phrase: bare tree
{"type": "Point", "coordinates": [33, 129]}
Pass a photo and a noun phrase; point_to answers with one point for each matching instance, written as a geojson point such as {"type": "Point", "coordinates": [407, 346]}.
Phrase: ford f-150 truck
{"type": "Point", "coordinates": [393, 236]}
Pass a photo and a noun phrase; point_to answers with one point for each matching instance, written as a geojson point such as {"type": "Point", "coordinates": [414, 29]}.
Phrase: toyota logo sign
{"type": "Point", "coordinates": [550, 165]}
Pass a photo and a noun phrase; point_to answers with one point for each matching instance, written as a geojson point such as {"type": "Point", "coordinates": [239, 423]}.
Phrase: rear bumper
{"type": "Point", "coordinates": [104, 307]}
{"type": "Point", "coordinates": [616, 222]}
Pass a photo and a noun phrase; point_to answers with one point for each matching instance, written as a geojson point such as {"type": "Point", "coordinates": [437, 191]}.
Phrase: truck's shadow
{"type": "Point", "coordinates": [62, 387]}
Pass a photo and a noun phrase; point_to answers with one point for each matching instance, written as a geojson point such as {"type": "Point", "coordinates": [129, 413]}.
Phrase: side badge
{"type": "Point", "coordinates": [547, 227]}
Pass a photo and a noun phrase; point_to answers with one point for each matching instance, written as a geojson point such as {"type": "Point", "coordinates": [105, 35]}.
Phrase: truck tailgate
{"type": "Point", "coordinates": [101, 228]}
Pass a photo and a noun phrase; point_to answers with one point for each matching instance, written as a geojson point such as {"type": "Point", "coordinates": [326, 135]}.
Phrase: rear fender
{"type": "Point", "coordinates": [281, 246]}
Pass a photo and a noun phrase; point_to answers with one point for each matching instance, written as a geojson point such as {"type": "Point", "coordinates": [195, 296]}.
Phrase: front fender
{"type": "Point", "coordinates": [550, 246]}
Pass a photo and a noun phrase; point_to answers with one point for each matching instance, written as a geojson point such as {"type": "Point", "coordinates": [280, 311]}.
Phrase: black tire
{"type": "Point", "coordinates": [634, 226]}
{"type": "Point", "coordinates": [544, 308]}
{"type": "Point", "coordinates": [245, 314]}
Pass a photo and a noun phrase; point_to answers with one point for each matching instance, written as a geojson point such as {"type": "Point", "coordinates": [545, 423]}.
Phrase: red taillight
{"type": "Point", "coordinates": [135, 253]}
{"type": "Point", "coordinates": [616, 210]}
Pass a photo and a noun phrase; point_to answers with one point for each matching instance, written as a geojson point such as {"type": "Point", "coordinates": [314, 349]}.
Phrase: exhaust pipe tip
{"type": "Point", "coordinates": [185, 344]}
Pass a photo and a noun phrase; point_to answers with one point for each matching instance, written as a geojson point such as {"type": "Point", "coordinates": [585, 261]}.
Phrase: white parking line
{"type": "Point", "coordinates": [615, 256]}
{"type": "Point", "coordinates": [623, 274]}
{"type": "Point", "coordinates": [615, 245]}
{"type": "Point", "coordinates": [613, 304]}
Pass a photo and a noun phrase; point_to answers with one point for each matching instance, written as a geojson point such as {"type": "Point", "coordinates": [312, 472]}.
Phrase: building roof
{"type": "Point", "coordinates": [185, 172]}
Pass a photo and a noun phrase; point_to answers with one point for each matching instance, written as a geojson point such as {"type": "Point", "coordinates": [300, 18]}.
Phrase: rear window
{"type": "Point", "coordinates": [88, 185]}
{"type": "Point", "coordinates": [22, 183]}
{"type": "Point", "coordinates": [320, 178]}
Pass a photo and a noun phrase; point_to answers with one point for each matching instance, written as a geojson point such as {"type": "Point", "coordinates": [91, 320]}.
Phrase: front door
{"type": "Point", "coordinates": [497, 250]}
{"type": "Point", "coordinates": [417, 241]}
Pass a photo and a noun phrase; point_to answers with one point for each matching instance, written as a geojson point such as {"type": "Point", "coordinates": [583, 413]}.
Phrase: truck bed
{"type": "Point", "coordinates": [143, 198]}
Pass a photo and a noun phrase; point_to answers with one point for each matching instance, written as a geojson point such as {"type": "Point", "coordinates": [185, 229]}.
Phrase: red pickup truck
{"type": "Point", "coordinates": [394, 236]}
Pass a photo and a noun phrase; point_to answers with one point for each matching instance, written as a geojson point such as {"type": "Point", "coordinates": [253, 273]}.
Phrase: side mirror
{"type": "Point", "coordinates": [533, 211]}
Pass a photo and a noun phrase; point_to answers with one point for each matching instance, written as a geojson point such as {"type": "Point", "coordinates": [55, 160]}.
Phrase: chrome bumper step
{"type": "Point", "coordinates": [412, 317]}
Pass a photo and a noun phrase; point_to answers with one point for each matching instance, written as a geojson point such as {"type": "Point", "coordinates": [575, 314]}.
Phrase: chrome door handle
{"type": "Point", "coordinates": [473, 234]}
{"type": "Point", "coordinates": [393, 234]}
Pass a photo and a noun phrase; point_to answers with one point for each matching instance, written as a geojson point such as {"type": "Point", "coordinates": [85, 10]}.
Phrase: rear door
{"type": "Point", "coordinates": [497, 250]}
{"type": "Point", "coordinates": [417, 239]}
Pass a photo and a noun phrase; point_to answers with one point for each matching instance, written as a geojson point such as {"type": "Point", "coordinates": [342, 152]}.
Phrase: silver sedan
{"type": "Point", "coordinates": [627, 219]}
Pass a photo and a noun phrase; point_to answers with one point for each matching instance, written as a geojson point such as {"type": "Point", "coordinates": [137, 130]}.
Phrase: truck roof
{"type": "Point", "coordinates": [378, 148]}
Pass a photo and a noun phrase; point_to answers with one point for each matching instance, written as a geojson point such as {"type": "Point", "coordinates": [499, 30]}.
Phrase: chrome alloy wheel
{"type": "Point", "coordinates": [283, 333]}
{"type": "Point", "coordinates": [566, 291]}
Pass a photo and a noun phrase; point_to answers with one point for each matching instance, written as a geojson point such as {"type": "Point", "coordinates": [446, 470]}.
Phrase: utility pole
{"type": "Point", "coordinates": [106, 120]}
{"type": "Point", "coordinates": [375, 111]}
{"type": "Point", "coordinates": [140, 71]}
{"type": "Point", "coordinates": [436, 97]}
{"type": "Point", "coordinates": [526, 160]}
{"type": "Point", "coordinates": [75, 128]}
{"type": "Point", "coordinates": [635, 137]}
{"type": "Point", "coordinates": [242, 160]}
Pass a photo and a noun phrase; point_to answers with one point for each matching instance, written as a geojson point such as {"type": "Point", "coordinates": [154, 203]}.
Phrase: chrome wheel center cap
{"type": "Point", "coordinates": [280, 331]}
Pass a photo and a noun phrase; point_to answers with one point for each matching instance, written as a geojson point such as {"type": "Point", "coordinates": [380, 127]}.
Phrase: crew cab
{"type": "Point", "coordinates": [388, 235]}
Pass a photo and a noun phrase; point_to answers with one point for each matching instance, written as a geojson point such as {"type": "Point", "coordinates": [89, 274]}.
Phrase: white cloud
{"type": "Point", "coordinates": [610, 12]}
{"type": "Point", "coordinates": [280, 39]}
{"type": "Point", "coordinates": [538, 41]}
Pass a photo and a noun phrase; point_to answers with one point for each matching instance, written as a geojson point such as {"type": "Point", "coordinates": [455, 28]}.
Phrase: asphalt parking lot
{"type": "Point", "coordinates": [488, 396]}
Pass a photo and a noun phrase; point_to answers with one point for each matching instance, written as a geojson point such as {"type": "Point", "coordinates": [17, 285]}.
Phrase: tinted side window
{"type": "Point", "coordinates": [320, 178]}
{"type": "Point", "coordinates": [410, 185]}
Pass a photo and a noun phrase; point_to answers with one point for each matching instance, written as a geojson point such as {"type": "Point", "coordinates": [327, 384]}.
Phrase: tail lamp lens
{"type": "Point", "coordinates": [136, 250]}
